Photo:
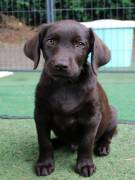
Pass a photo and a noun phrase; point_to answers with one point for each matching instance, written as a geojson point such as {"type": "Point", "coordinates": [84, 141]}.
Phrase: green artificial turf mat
{"type": "Point", "coordinates": [19, 150]}
{"type": "Point", "coordinates": [17, 93]}
{"type": "Point", "coordinates": [120, 89]}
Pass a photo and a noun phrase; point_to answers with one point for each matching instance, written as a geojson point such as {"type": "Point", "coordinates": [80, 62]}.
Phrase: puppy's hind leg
{"type": "Point", "coordinates": [102, 147]}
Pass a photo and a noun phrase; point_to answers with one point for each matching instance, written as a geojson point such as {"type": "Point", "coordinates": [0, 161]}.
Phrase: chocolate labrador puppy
{"type": "Point", "coordinates": [69, 100]}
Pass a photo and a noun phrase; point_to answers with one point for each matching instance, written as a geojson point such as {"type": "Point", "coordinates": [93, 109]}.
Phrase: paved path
{"type": "Point", "coordinates": [13, 58]}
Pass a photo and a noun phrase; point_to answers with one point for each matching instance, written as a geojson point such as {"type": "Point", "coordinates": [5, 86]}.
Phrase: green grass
{"type": "Point", "coordinates": [19, 149]}
{"type": "Point", "coordinates": [17, 93]}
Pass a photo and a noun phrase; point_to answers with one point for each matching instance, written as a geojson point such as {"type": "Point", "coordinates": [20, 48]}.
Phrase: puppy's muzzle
{"type": "Point", "coordinates": [60, 68]}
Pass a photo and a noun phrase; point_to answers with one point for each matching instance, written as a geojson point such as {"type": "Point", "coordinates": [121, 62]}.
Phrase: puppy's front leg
{"type": "Point", "coordinates": [85, 166]}
{"type": "Point", "coordinates": [45, 162]}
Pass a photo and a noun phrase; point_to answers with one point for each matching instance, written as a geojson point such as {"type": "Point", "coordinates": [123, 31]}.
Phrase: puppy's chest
{"type": "Point", "coordinates": [67, 99]}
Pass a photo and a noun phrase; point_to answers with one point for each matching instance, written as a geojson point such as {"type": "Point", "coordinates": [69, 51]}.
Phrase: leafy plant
{"type": "Point", "coordinates": [33, 12]}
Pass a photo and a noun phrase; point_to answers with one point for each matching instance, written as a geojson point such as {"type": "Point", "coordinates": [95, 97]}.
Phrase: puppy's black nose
{"type": "Point", "coordinates": [61, 67]}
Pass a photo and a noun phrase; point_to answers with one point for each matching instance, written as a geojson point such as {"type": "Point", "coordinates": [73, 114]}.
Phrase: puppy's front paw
{"type": "Point", "coordinates": [85, 168]}
{"type": "Point", "coordinates": [44, 168]}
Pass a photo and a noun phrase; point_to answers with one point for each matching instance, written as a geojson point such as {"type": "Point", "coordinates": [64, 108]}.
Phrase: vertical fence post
{"type": "Point", "coordinates": [50, 12]}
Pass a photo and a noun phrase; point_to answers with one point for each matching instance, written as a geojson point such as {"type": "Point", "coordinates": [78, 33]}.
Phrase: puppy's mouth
{"type": "Point", "coordinates": [60, 76]}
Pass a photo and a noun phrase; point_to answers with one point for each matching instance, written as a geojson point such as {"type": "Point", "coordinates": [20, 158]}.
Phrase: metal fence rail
{"type": "Point", "coordinates": [18, 20]}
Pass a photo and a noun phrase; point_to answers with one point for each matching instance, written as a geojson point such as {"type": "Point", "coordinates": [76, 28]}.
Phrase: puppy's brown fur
{"type": "Point", "coordinates": [69, 100]}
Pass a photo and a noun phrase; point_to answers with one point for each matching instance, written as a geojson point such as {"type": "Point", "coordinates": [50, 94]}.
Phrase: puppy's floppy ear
{"type": "Point", "coordinates": [102, 54]}
{"type": "Point", "coordinates": [33, 46]}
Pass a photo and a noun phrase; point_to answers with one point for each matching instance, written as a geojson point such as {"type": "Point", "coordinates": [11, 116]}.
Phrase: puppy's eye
{"type": "Point", "coordinates": [51, 42]}
{"type": "Point", "coordinates": [80, 44]}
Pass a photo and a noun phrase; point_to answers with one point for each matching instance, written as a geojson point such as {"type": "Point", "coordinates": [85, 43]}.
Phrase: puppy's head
{"type": "Point", "coordinates": [65, 46]}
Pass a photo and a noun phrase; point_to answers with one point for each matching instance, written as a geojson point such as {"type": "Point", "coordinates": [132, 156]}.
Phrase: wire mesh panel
{"type": "Point", "coordinates": [20, 18]}
{"type": "Point", "coordinates": [86, 10]}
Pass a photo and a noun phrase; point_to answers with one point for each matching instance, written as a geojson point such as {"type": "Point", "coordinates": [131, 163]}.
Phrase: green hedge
{"type": "Point", "coordinates": [33, 12]}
